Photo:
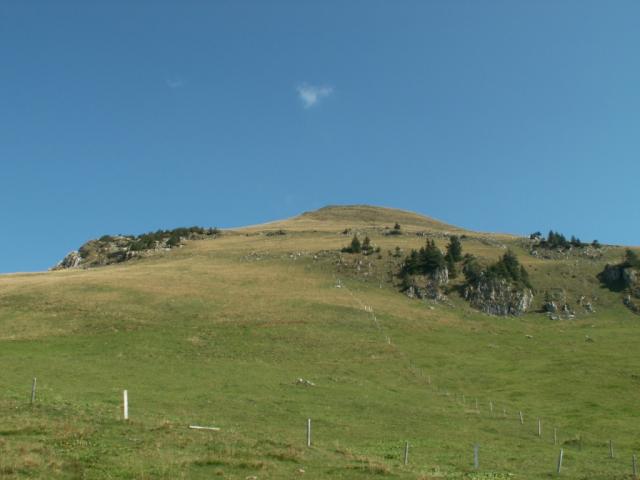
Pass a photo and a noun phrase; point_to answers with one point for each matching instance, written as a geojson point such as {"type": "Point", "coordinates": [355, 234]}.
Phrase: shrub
{"type": "Point", "coordinates": [396, 230]}
{"type": "Point", "coordinates": [631, 259]}
{"type": "Point", "coordinates": [472, 269]}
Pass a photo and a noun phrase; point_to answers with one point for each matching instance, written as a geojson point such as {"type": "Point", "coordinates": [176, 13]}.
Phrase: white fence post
{"type": "Point", "coordinates": [125, 404]}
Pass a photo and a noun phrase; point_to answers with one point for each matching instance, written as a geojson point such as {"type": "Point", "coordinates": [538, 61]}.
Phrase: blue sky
{"type": "Point", "coordinates": [125, 117]}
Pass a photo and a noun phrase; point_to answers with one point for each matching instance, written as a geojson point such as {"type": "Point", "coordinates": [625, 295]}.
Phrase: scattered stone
{"type": "Point", "coordinates": [567, 312]}
{"type": "Point", "coordinates": [306, 383]}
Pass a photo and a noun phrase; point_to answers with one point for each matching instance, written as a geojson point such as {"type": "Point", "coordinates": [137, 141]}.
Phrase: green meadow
{"type": "Point", "coordinates": [218, 332]}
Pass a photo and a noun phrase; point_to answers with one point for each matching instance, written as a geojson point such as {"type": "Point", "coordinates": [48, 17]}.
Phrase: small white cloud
{"type": "Point", "coordinates": [310, 95]}
{"type": "Point", "coordinates": [175, 82]}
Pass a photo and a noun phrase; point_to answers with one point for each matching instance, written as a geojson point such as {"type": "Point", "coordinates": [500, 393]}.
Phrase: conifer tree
{"type": "Point", "coordinates": [454, 249]}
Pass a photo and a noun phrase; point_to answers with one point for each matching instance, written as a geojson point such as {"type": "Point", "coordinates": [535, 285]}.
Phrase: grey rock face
{"type": "Point", "coordinates": [630, 277]}
{"type": "Point", "coordinates": [440, 276]}
{"type": "Point", "coordinates": [499, 297]}
{"type": "Point", "coordinates": [626, 277]}
{"type": "Point", "coordinates": [611, 274]}
{"type": "Point", "coordinates": [72, 260]}
{"type": "Point", "coordinates": [429, 287]}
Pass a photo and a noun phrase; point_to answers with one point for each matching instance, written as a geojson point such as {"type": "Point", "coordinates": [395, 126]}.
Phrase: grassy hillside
{"type": "Point", "coordinates": [218, 332]}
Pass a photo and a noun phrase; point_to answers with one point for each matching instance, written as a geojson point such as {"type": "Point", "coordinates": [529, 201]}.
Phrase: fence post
{"type": "Point", "coordinates": [308, 432]}
{"type": "Point", "coordinates": [33, 390]}
{"type": "Point", "coordinates": [521, 419]}
{"type": "Point", "coordinates": [560, 461]}
{"type": "Point", "coordinates": [610, 449]}
{"type": "Point", "coordinates": [555, 436]}
{"type": "Point", "coordinates": [125, 404]}
{"type": "Point", "coordinates": [539, 428]}
{"type": "Point", "coordinates": [406, 453]}
{"type": "Point", "coordinates": [634, 466]}
{"type": "Point", "coordinates": [476, 456]}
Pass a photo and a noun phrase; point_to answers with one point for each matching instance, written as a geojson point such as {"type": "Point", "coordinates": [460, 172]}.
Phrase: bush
{"type": "Point", "coordinates": [556, 240]}
{"type": "Point", "coordinates": [174, 241]}
{"type": "Point", "coordinates": [472, 269]}
{"type": "Point", "coordinates": [631, 259]}
{"type": "Point", "coordinates": [396, 230]}
{"type": "Point", "coordinates": [509, 268]}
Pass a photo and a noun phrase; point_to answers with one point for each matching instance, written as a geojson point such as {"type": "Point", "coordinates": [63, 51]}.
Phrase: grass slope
{"type": "Point", "coordinates": [216, 333]}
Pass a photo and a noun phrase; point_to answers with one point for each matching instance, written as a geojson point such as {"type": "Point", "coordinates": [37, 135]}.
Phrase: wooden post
{"type": "Point", "coordinates": [476, 456]}
{"type": "Point", "coordinates": [539, 428]}
{"type": "Point", "coordinates": [429, 379]}
{"type": "Point", "coordinates": [610, 449]}
{"type": "Point", "coordinates": [33, 390]}
{"type": "Point", "coordinates": [504, 413]}
{"type": "Point", "coordinates": [125, 404]}
{"type": "Point", "coordinates": [491, 407]}
{"type": "Point", "coordinates": [521, 419]}
{"type": "Point", "coordinates": [477, 404]}
{"type": "Point", "coordinates": [634, 466]}
{"type": "Point", "coordinates": [406, 453]}
{"type": "Point", "coordinates": [560, 462]}
{"type": "Point", "coordinates": [463, 399]}
{"type": "Point", "coordinates": [308, 432]}
{"type": "Point", "coordinates": [555, 436]}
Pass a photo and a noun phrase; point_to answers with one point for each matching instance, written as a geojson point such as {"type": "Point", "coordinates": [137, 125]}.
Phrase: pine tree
{"type": "Point", "coordinates": [366, 246]}
{"type": "Point", "coordinates": [431, 258]}
{"type": "Point", "coordinates": [451, 267]}
{"type": "Point", "coordinates": [355, 247]}
{"type": "Point", "coordinates": [454, 249]}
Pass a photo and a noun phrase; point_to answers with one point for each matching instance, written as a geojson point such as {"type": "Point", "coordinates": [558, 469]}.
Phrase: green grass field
{"type": "Point", "coordinates": [217, 333]}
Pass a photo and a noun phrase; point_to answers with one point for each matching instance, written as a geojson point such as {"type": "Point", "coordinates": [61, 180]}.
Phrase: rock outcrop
{"type": "Point", "coordinates": [499, 297]}
{"type": "Point", "coordinates": [115, 249]}
{"type": "Point", "coordinates": [429, 287]}
{"type": "Point", "coordinates": [623, 277]}
{"type": "Point", "coordinates": [72, 260]}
